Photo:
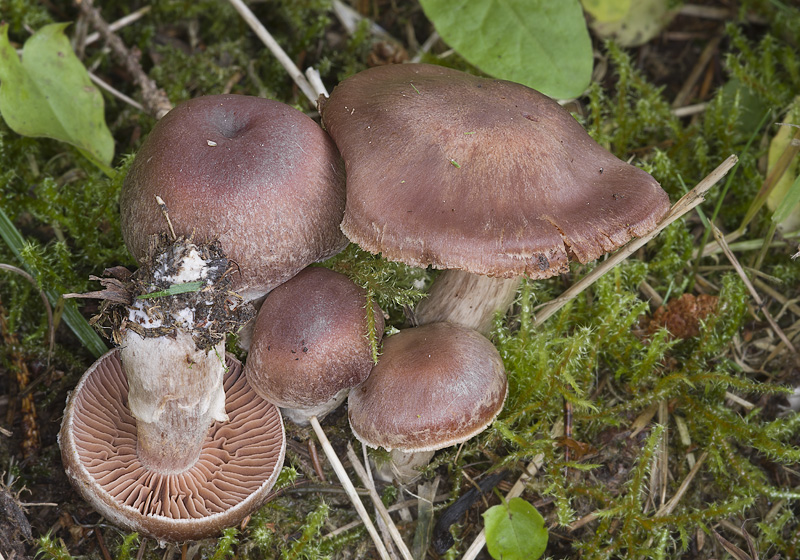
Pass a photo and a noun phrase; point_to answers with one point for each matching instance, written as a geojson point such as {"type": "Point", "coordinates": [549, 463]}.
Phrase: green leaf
{"type": "Point", "coordinates": [789, 203]}
{"type": "Point", "coordinates": [49, 94]}
{"type": "Point", "coordinates": [539, 43]}
{"type": "Point", "coordinates": [174, 290]}
{"type": "Point", "coordinates": [515, 531]}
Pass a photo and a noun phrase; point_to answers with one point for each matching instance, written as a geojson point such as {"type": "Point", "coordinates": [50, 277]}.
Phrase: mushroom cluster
{"type": "Point", "coordinates": [491, 181]}
{"type": "Point", "coordinates": [226, 205]}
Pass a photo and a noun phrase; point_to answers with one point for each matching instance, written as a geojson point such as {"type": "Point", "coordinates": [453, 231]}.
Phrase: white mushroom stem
{"type": "Point", "coordinates": [469, 300]}
{"type": "Point", "coordinates": [302, 416]}
{"type": "Point", "coordinates": [176, 394]}
{"type": "Point", "coordinates": [404, 466]}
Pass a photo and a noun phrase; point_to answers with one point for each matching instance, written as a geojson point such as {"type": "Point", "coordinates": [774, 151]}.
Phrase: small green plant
{"type": "Point", "coordinates": [515, 531]}
{"type": "Point", "coordinates": [49, 94]}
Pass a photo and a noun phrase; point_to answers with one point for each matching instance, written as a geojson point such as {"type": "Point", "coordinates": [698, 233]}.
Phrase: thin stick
{"type": "Point", "coordinates": [115, 92]}
{"type": "Point", "coordinates": [697, 71]}
{"type": "Point", "coordinates": [689, 201]}
{"type": "Point", "coordinates": [740, 271]}
{"type": "Point", "coordinates": [350, 18]}
{"type": "Point", "coordinates": [396, 507]}
{"type": "Point", "coordinates": [155, 99]}
{"type": "Point", "coordinates": [275, 49]}
{"type": "Point", "coordinates": [163, 206]}
{"type": "Point", "coordinates": [119, 24]}
{"type": "Point", "coordinates": [376, 500]}
{"type": "Point", "coordinates": [338, 468]}
{"type": "Point", "coordinates": [312, 451]}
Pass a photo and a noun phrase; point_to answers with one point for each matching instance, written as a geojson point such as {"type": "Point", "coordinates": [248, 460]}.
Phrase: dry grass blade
{"type": "Point", "coordinates": [667, 508]}
{"type": "Point", "coordinates": [732, 549]}
{"type": "Point", "coordinates": [376, 500]}
{"type": "Point", "coordinates": [689, 201]}
{"type": "Point", "coordinates": [273, 46]}
{"type": "Point", "coordinates": [740, 271]}
{"type": "Point", "coordinates": [347, 484]}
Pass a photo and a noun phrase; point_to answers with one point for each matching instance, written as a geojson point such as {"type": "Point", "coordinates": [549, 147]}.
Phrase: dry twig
{"type": "Point", "coordinates": [155, 100]}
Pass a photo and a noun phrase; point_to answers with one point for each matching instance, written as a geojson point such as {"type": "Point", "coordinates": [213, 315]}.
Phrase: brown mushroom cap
{"type": "Point", "coordinates": [238, 465]}
{"type": "Point", "coordinates": [434, 386]}
{"type": "Point", "coordinates": [258, 175]}
{"type": "Point", "coordinates": [311, 340]}
{"type": "Point", "coordinates": [450, 170]}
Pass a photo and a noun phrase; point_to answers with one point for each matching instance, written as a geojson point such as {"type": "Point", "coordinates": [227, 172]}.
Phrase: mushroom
{"type": "Point", "coordinates": [169, 318]}
{"type": "Point", "coordinates": [487, 178]}
{"type": "Point", "coordinates": [311, 343]}
{"type": "Point", "coordinates": [434, 386]}
{"type": "Point", "coordinates": [257, 175]}
{"type": "Point", "coordinates": [237, 465]}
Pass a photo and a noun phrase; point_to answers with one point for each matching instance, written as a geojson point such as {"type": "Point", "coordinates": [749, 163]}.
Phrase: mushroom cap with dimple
{"type": "Point", "coordinates": [434, 386]}
{"type": "Point", "coordinates": [450, 170]}
{"type": "Point", "coordinates": [238, 465]}
{"type": "Point", "coordinates": [311, 340]}
{"type": "Point", "coordinates": [258, 175]}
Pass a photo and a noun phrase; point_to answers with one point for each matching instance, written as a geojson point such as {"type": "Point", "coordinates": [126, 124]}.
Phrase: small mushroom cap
{"type": "Point", "coordinates": [434, 386]}
{"type": "Point", "coordinates": [258, 175]}
{"type": "Point", "coordinates": [311, 340]}
{"type": "Point", "coordinates": [238, 465]}
{"type": "Point", "coordinates": [450, 170]}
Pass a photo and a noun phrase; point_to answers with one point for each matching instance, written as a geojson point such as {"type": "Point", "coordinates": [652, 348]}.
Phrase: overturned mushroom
{"type": "Point", "coordinates": [176, 388]}
{"type": "Point", "coordinates": [237, 464]}
{"type": "Point", "coordinates": [485, 177]}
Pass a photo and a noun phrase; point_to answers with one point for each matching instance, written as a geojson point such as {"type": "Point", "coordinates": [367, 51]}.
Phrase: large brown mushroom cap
{"type": "Point", "coordinates": [258, 175]}
{"type": "Point", "coordinates": [311, 340]}
{"type": "Point", "coordinates": [434, 386]}
{"type": "Point", "coordinates": [238, 465]}
{"type": "Point", "coordinates": [455, 171]}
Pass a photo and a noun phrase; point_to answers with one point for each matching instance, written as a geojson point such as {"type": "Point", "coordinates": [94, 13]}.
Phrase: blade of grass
{"type": "Point", "coordinates": [72, 317]}
{"type": "Point", "coordinates": [721, 197]}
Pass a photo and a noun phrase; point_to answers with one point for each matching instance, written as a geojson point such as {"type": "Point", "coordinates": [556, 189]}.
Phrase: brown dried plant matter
{"type": "Point", "coordinates": [682, 317]}
{"type": "Point", "coordinates": [30, 427]}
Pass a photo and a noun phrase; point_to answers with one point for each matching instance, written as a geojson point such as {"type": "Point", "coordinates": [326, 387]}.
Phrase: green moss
{"type": "Point", "coordinates": [594, 354]}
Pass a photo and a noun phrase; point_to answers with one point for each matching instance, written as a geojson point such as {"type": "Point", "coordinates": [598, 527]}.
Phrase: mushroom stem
{"type": "Point", "coordinates": [175, 393]}
{"type": "Point", "coordinates": [467, 299]}
{"type": "Point", "coordinates": [302, 416]}
{"type": "Point", "coordinates": [404, 466]}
